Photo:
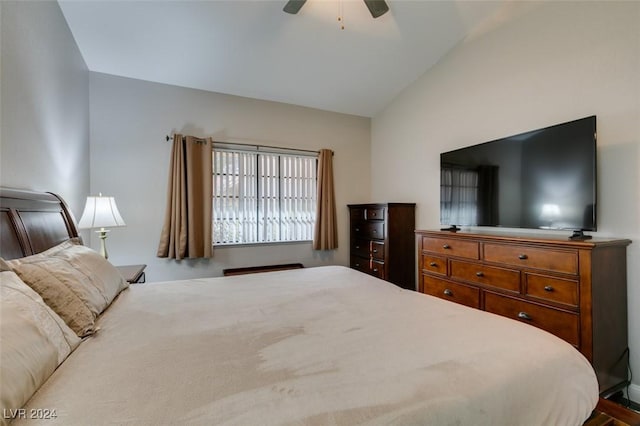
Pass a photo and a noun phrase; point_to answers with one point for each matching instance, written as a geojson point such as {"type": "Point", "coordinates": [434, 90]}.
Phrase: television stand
{"type": "Point", "coordinates": [452, 228]}
{"type": "Point", "coordinates": [579, 236]}
{"type": "Point", "coordinates": [592, 315]}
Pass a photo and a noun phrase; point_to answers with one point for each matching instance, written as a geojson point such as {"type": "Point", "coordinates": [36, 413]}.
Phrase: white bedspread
{"type": "Point", "coordinates": [316, 346]}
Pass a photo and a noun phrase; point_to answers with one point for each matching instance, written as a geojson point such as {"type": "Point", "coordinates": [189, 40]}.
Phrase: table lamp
{"type": "Point", "coordinates": [101, 212]}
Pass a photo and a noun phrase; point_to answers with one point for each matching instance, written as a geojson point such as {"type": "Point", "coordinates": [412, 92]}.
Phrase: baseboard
{"type": "Point", "coordinates": [634, 393]}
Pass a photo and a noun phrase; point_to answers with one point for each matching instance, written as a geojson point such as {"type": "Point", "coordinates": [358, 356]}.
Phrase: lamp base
{"type": "Point", "coordinates": [102, 234]}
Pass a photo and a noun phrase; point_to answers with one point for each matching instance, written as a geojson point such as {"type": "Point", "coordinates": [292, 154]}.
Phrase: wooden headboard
{"type": "Point", "coordinates": [31, 222]}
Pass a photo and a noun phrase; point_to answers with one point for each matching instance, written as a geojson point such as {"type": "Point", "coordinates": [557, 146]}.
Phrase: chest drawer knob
{"type": "Point", "coordinates": [524, 316]}
{"type": "Point", "coordinates": [375, 250]}
{"type": "Point", "coordinates": [447, 292]}
{"type": "Point", "coordinates": [446, 246]}
{"type": "Point", "coordinates": [357, 265]}
{"type": "Point", "coordinates": [434, 264]}
{"type": "Point", "coordinates": [375, 269]}
{"type": "Point", "coordinates": [357, 229]}
{"type": "Point", "coordinates": [523, 257]}
{"type": "Point", "coordinates": [479, 274]}
{"type": "Point", "coordinates": [548, 288]}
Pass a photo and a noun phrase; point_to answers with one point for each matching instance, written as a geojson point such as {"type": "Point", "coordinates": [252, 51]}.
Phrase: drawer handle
{"type": "Point", "coordinates": [447, 292]}
{"type": "Point", "coordinates": [479, 274]}
{"type": "Point", "coordinates": [524, 316]}
{"type": "Point", "coordinates": [373, 214]}
{"type": "Point", "coordinates": [357, 265]}
{"type": "Point", "coordinates": [374, 231]}
{"type": "Point", "coordinates": [523, 257]}
{"type": "Point", "coordinates": [375, 250]}
{"type": "Point", "coordinates": [548, 288]}
{"type": "Point", "coordinates": [357, 229]}
{"type": "Point", "coordinates": [375, 269]}
{"type": "Point", "coordinates": [434, 264]}
{"type": "Point", "coordinates": [446, 247]}
{"type": "Point", "coordinates": [357, 247]}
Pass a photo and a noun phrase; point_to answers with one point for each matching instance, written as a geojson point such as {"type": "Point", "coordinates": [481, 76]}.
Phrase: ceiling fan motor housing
{"type": "Point", "coordinates": [376, 7]}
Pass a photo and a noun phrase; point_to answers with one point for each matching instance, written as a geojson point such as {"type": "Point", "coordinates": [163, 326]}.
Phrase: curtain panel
{"type": "Point", "coordinates": [326, 229]}
{"type": "Point", "coordinates": [186, 232]}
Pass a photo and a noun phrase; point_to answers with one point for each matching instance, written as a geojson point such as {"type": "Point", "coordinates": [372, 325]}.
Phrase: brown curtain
{"type": "Point", "coordinates": [187, 225]}
{"type": "Point", "coordinates": [325, 235]}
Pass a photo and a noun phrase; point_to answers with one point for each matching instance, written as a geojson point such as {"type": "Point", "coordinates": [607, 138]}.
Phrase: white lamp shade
{"type": "Point", "coordinates": [100, 212]}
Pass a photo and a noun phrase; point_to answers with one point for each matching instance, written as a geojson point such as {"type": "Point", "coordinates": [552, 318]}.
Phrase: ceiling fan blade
{"type": "Point", "coordinates": [377, 7]}
{"type": "Point", "coordinates": [293, 6]}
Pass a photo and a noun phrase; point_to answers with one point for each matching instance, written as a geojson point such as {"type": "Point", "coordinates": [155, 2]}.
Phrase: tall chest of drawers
{"type": "Point", "coordinates": [576, 290]}
{"type": "Point", "coordinates": [382, 241]}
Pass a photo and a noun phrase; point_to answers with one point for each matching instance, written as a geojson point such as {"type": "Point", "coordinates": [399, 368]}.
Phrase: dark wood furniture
{"type": "Point", "coordinates": [576, 290]}
{"type": "Point", "coordinates": [382, 241]}
{"type": "Point", "coordinates": [257, 269]}
{"type": "Point", "coordinates": [612, 414]}
{"type": "Point", "coordinates": [134, 274]}
{"type": "Point", "coordinates": [31, 222]}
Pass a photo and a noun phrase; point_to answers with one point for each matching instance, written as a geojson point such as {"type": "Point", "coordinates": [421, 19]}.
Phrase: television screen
{"type": "Point", "coordinates": [543, 179]}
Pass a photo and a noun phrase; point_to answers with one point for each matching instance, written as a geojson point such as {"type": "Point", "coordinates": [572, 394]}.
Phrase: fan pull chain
{"type": "Point", "coordinates": [340, 15]}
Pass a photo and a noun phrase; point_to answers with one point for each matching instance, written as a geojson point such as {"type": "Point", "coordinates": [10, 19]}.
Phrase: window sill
{"type": "Point", "coordinates": [268, 243]}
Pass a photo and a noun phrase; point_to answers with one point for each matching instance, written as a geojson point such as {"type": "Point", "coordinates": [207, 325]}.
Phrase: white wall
{"type": "Point", "coordinates": [44, 139]}
{"type": "Point", "coordinates": [562, 61]}
{"type": "Point", "coordinates": [130, 161]}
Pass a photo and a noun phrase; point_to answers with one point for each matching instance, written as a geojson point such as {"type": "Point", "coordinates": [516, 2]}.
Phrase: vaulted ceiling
{"type": "Point", "coordinates": [254, 49]}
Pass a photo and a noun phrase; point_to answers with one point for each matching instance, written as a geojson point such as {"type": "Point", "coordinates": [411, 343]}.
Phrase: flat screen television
{"type": "Point", "coordinates": [541, 179]}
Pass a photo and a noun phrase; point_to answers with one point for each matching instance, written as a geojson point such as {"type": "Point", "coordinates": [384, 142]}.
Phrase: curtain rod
{"type": "Point", "coordinates": [170, 138]}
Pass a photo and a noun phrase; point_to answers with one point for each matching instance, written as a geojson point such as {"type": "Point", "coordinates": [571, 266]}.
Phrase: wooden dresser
{"type": "Point", "coordinates": [382, 241]}
{"type": "Point", "coordinates": [576, 290]}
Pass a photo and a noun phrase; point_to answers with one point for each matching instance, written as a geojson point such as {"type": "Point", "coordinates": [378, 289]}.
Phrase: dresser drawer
{"type": "Point", "coordinates": [360, 247]}
{"type": "Point", "coordinates": [359, 263]}
{"type": "Point", "coordinates": [367, 266]}
{"type": "Point", "coordinates": [451, 247]}
{"type": "Point", "coordinates": [459, 293]}
{"type": "Point", "coordinates": [506, 279]}
{"type": "Point", "coordinates": [434, 264]}
{"type": "Point", "coordinates": [357, 214]}
{"type": "Point", "coordinates": [538, 258]}
{"type": "Point", "coordinates": [552, 289]}
{"type": "Point", "coordinates": [563, 324]}
{"type": "Point", "coordinates": [374, 213]}
{"type": "Point", "coordinates": [377, 250]}
{"type": "Point", "coordinates": [368, 248]}
{"type": "Point", "coordinates": [368, 213]}
{"type": "Point", "coordinates": [370, 229]}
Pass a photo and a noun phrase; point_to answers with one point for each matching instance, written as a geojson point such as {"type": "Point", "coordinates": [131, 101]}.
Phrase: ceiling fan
{"type": "Point", "coordinates": [376, 7]}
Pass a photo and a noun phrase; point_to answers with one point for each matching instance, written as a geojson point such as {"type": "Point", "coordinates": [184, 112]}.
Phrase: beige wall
{"type": "Point", "coordinates": [562, 61]}
{"type": "Point", "coordinates": [130, 158]}
{"type": "Point", "coordinates": [44, 137]}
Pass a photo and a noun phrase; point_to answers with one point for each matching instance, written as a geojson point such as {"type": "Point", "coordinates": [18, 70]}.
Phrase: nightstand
{"type": "Point", "coordinates": [134, 274]}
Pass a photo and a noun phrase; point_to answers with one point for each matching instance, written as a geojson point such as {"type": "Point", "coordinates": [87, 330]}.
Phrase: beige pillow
{"type": "Point", "coordinates": [4, 266]}
{"type": "Point", "coordinates": [33, 341]}
{"type": "Point", "coordinates": [75, 281]}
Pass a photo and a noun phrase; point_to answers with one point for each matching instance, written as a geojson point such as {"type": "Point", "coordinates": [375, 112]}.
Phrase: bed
{"type": "Point", "coordinates": [314, 346]}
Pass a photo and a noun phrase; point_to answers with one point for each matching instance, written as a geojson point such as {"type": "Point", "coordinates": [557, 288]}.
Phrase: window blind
{"type": "Point", "coordinates": [263, 197]}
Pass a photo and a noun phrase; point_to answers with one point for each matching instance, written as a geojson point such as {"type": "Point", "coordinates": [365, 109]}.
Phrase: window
{"type": "Point", "coordinates": [263, 197]}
